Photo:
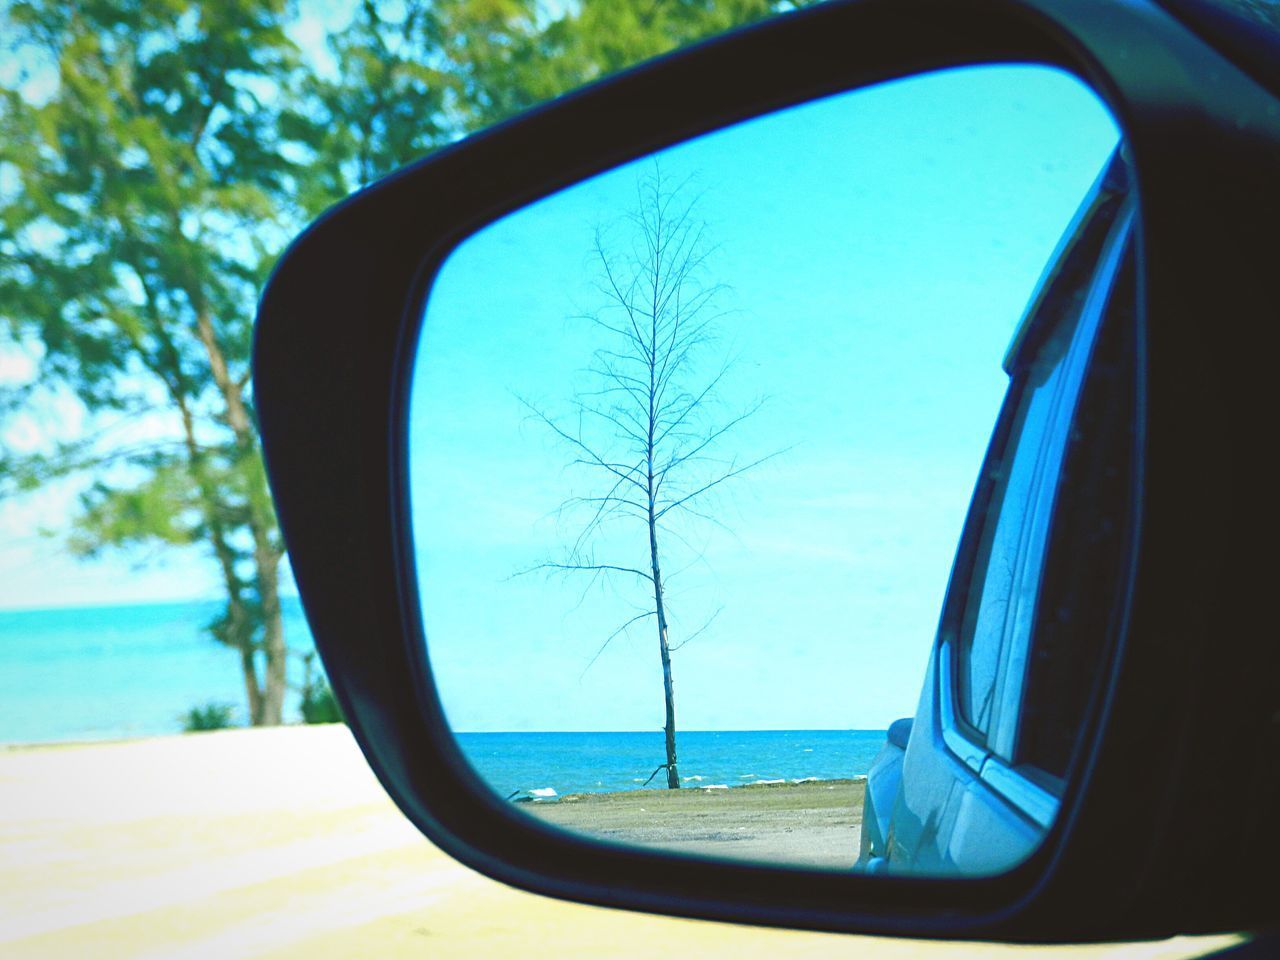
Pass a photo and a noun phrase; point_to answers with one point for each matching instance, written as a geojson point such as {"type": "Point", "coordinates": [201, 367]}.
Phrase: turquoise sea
{"type": "Point", "coordinates": [113, 672]}
{"type": "Point", "coordinates": [514, 763]}
{"type": "Point", "coordinates": [103, 673]}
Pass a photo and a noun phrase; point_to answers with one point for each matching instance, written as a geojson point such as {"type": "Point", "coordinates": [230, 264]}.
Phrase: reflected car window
{"type": "Point", "coordinates": [1004, 593]}
{"type": "Point", "coordinates": [1078, 612]}
{"type": "Point", "coordinates": [988, 620]}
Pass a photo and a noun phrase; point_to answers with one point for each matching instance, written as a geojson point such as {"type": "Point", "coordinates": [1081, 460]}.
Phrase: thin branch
{"type": "Point", "coordinates": [656, 771]}
{"type": "Point", "coordinates": [594, 523]}
{"type": "Point", "coordinates": [593, 456]}
{"type": "Point", "coordinates": [620, 630]}
{"type": "Point", "coordinates": [572, 567]}
{"type": "Point", "coordinates": [702, 629]}
{"type": "Point", "coordinates": [715, 483]}
{"type": "Point", "coordinates": [695, 404]}
{"type": "Point", "coordinates": [619, 502]}
{"type": "Point", "coordinates": [689, 455]}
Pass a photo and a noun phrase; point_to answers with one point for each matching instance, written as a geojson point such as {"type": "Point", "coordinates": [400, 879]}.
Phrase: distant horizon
{"type": "Point", "coordinates": [679, 731]}
{"type": "Point", "coordinates": [50, 608]}
{"type": "Point", "coordinates": [125, 738]}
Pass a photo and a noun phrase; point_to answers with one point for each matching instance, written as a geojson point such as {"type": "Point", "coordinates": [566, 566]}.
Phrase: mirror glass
{"type": "Point", "coordinates": [692, 448]}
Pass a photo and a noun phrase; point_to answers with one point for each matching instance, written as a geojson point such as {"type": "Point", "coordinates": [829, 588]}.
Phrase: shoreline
{"type": "Point", "coordinates": [116, 736]}
{"type": "Point", "coordinates": [553, 784]}
{"type": "Point", "coordinates": [537, 796]}
{"type": "Point", "coordinates": [28, 746]}
{"type": "Point", "coordinates": [801, 821]}
{"type": "Point", "coordinates": [813, 823]}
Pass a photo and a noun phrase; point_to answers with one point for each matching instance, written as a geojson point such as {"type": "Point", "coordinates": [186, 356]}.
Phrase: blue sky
{"type": "Point", "coordinates": [878, 249]}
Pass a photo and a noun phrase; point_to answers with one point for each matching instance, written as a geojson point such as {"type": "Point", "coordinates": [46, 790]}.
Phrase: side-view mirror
{"type": "Point", "coordinates": [808, 480]}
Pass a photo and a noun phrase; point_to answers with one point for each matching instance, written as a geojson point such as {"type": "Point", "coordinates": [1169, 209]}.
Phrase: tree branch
{"type": "Point", "coordinates": [715, 483]}
{"type": "Point", "coordinates": [699, 631]}
{"type": "Point", "coordinates": [595, 459]}
{"type": "Point", "coordinates": [620, 630]}
{"type": "Point", "coordinates": [572, 567]}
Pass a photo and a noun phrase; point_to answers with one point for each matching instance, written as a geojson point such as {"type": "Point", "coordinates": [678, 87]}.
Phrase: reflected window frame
{"type": "Point", "coordinates": [992, 754]}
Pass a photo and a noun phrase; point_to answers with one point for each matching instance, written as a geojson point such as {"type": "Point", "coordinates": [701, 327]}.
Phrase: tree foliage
{"type": "Point", "coordinates": [516, 56]}
{"type": "Point", "coordinates": [208, 716]}
{"type": "Point", "coordinates": [141, 213]}
{"type": "Point", "coordinates": [148, 188]}
{"type": "Point", "coordinates": [387, 103]}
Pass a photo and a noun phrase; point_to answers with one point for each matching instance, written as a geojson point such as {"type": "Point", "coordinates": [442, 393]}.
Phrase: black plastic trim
{"type": "Point", "coordinates": [336, 332]}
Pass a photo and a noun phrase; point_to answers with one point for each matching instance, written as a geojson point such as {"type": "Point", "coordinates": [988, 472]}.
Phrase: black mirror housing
{"type": "Point", "coordinates": [1188, 731]}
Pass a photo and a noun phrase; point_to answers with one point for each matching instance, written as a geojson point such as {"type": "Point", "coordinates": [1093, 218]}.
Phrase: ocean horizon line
{"type": "Point", "coordinates": [473, 733]}
{"type": "Point", "coordinates": [118, 604]}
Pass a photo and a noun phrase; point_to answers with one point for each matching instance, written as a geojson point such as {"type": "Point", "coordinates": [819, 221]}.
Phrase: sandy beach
{"type": "Point", "coordinates": [814, 824]}
{"type": "Point", "coordinates": [280, 843]}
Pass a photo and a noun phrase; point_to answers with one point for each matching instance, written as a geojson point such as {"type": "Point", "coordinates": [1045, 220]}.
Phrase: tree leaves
{"type": "Point", "coordinates": [148, 188]}
{"type": "Point", "coordinates": [165, 506]}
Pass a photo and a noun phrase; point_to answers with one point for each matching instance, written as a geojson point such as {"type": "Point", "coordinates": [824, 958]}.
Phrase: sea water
{"type": "Point", "coordinates": [114, 672]}
{"type": "Point", "coordinates": [104, 673]}
{"type": "Point", "coordinates": [518, 763]}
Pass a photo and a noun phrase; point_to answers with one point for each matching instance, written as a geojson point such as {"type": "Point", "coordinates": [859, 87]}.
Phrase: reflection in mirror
{"type": "Point", "coordinates": [692, 445]}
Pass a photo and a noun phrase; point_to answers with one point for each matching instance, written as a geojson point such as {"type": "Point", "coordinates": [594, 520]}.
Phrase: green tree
{"type": "Point", "coordinates": [142, 204]}
{"type": "Point", "coordinates": [390, 100]}
{"type": "Point", "coordinates": [512, 55]}
{"type": "Point", "coordinates": [145, 197]}
{"type": "Point", "coordinates": [416, 75]}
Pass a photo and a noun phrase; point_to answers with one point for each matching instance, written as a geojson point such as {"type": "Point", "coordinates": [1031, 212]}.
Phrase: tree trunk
{"type": "Point", "coordinates": [239, 629]}
{"type": "Point", "coordinates": [668, 689]}
{"type": "Point", "coordinates": [268, 563]}
{"type": "Point", "coordinates": [252, 689]}
{"type": "Point", "coordinates": [266, 556]}
{"type": "Point", "coordinates": [660, 608]}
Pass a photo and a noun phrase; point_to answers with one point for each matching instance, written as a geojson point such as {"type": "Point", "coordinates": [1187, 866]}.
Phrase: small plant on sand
{"type": "Point", "coordinates": [208, 716]}
{"type": "Point", "coordinates": [318, 704]}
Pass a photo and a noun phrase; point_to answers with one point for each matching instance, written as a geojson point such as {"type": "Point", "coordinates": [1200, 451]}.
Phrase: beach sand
{"type": "Point", "coordinates": [280, 843]}
{"type": "Point", "coordinates": [814, 824]}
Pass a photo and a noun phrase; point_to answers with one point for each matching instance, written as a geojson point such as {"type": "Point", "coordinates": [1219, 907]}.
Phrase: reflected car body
{"type": "Point", "coordinates": [970, 784]}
